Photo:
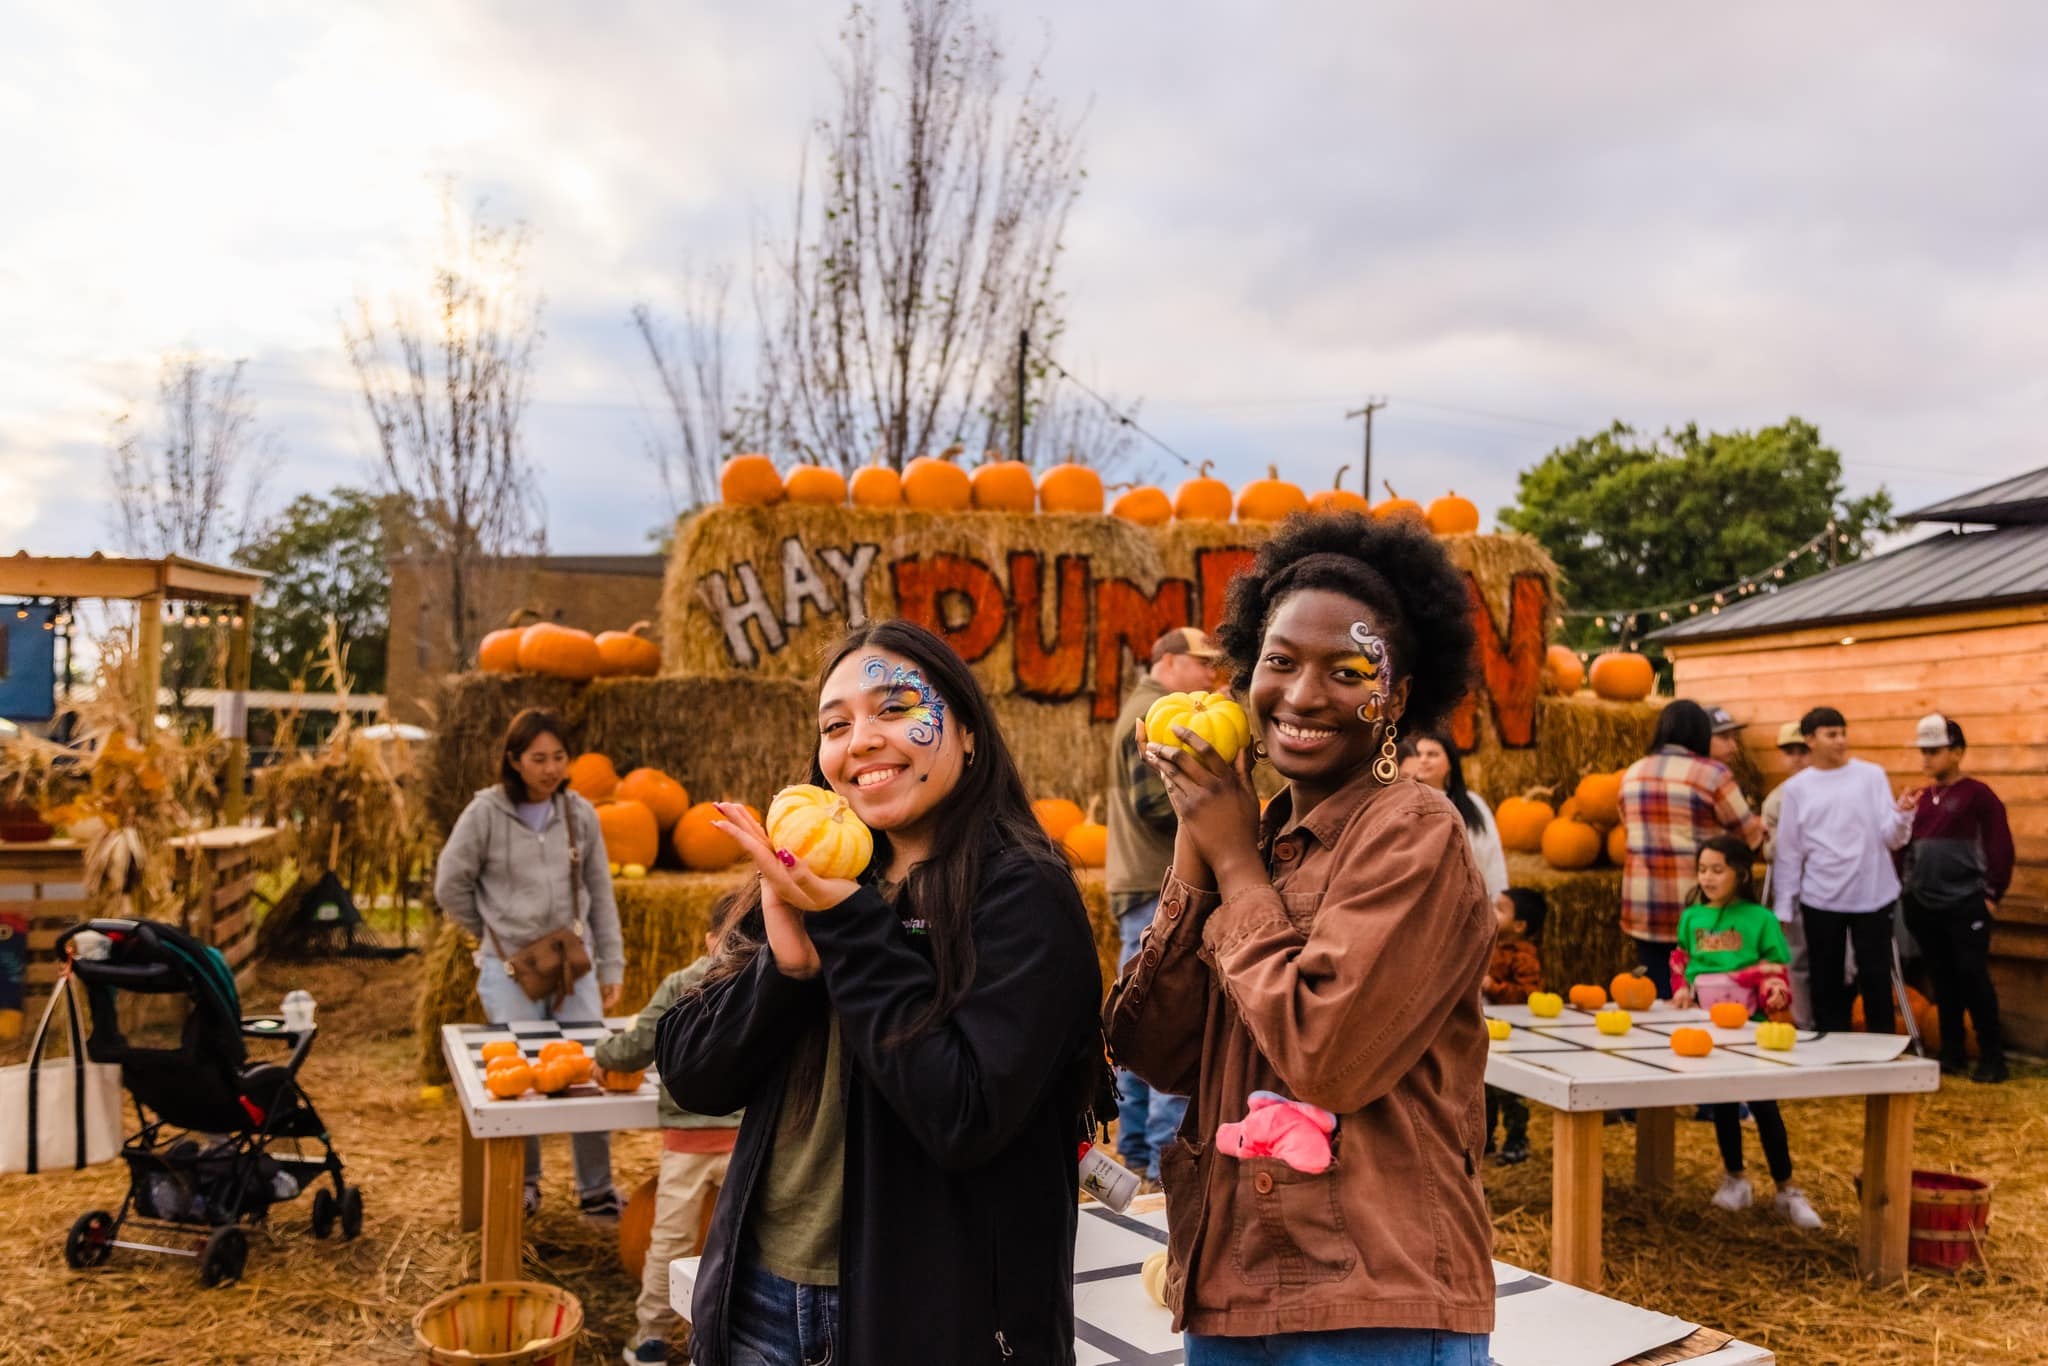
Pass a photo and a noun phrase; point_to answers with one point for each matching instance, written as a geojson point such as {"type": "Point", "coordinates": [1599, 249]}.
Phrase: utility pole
{"type": "Point", "coordinates": [1372, 405]}
{"type": "Point", "coordinates": [1017, 409]}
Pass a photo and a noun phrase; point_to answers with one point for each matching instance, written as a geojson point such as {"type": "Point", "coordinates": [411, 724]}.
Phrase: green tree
{"type": "Point", "coordinates": [326, 556]}
{"type": "Point", "coordinates": [1636, 522]}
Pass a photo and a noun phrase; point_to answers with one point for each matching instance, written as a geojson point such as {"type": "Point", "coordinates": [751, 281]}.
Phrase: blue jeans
{"type": "Point", "coordinates": [1345, 1347]}
{"type": "Point", "coordinates": [1146, 1119]}
{"type": "Point", "coordinates": [504, 1003]}
{"type": "Point", "coordinates": [773, 1322]}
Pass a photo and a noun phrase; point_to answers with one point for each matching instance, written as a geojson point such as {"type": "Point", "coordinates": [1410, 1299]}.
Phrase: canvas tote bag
{"type": "Point", "coordinates": [65, 1113]}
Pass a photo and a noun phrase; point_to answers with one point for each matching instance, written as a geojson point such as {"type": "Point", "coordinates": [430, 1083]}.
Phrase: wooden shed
{"type": "Point", "coordinates": [1956, 623]}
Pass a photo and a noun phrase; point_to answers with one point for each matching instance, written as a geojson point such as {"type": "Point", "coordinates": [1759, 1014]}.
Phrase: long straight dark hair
{"type": "Point", "coordinates": [1454, 775]}
{"type": "Point", "coordinates": [1741, 858]}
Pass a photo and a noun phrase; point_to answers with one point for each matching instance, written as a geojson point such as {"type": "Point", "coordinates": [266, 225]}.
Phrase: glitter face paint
{"type": "Point", "coordinates": [902, 687]}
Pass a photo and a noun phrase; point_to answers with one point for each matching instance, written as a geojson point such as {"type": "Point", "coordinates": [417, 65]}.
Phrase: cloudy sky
{"type": "Point", "coordinates": [1517, 221]}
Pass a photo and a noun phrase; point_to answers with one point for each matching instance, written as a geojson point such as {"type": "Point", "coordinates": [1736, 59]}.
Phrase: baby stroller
{"type": "Point", "coordinates": [222, 1138]}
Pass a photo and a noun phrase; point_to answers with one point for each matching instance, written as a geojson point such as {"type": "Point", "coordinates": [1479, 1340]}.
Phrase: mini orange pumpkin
{"type": "Point", "coordinates": [628, 653]}
{"type": "Point", "coordinates": [1623, 676]}
{"type": "Point", "coordinates": [1071, 487]}
{"type": "Point", "coordinates": [1586, 996]}
{"type": "Point", "coordinates": [558, 651]}
{"type": "Point", "coordinates": [498, 1048]}
{"type": "Point", "coordinates": [1728, 1014]}
{"type": "Point", "coordinates": [1451, 515]}
{"type": "Point", "coordinates": [1271, 499]}
{"type": "Point", "coordinates": [1088, 843]}
{"type": "Point", "coordinates": [1570, 844]}
{"type": "Point", "coordinates": [933, 483]}
{"type": "Point", "coordinates": [619, 1081]}
{"type": "Point", "coordinates": [559, 1048]}
{"type": "Point", "coordinates": [631, 834]}
{"type": "Point", "coordinates": [818, 826]}
{"type": "Point", "coordinates": [1691, 1043]}
{"type": "Point", "coordinates": [659, 793]}
{"type": "Point", "coordinates": [701, 844]}
{"type": "Point", "coordinates": [592, 777]}
{"type": "Point", "coordinates": [498, 652]}
{"type": "Point", "coordinates": [1617, 846]}
{"type": "Point", "coordinates": [510, 1081]}
{"type": "Point", "coordinates": [1397, 506]}
{"type": "Point", "coordinates": [1143, 504]}
{"type": "Point", "coordinates": [554, 1076]}
{"type": "Point", "coordinates": [1057, 815]}
{"type": "Point", "coordinates": [1521, 821]}
{"type": "Point", "coordinates": [1563, 671]}
{"type": "Point", "coordinates": [877, 486]}
{"type": "Point", "coordinates": [1000, 485]}
{"type": "Point", "coordinates": [817, 485]}
{"type": "Point", "coordinates": [1599, 798]}
{"type": "Point", "coordinates": [1337, 498]}
{"type": "Point", "coordinates": [750, 479]}
{"type": "Point", "coordinates": [1633, 990]}
{"type": "Point", "coordinates": [1202, 499]}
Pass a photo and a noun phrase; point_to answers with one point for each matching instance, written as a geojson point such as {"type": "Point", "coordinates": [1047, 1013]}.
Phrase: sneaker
{"type": "Point", "coordinates": [1735, 1193]}
{"type": "Point", "coordinates": [530, 1202]}
{"type": "Point", "coordinates": [1514, 1152]}
{"type": "Point", "coordinates": [603, 1207]}
{"type": "Point", "coordinates": [1793, 1204]}
{"type": "Point", "coordinates": [652, 1350]}
{"type": "Point", "coordinates": [1990, 1073]}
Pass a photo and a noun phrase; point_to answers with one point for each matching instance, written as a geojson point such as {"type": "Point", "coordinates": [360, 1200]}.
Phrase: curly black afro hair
{"type": "Point", "coordinates": [1396, 568]}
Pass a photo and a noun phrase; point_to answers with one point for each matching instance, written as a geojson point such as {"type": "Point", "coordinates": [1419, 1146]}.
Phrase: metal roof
{"type": "Point", "coordinates": [1950, 572]}
{"type": "Point", "coordinates": [2020, 500]}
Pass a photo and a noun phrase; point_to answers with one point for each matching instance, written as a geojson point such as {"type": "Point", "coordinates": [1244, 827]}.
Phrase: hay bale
{"type": "Point", "coordinates": [1575, 736]}
{"type": "Point", "coordinates": [1582, 938]}
{"type": "Point", "coordinates": [447, 996]}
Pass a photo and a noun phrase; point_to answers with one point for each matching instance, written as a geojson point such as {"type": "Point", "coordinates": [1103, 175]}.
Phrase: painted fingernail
{"type": "Point", "coordinates": [787, 859]}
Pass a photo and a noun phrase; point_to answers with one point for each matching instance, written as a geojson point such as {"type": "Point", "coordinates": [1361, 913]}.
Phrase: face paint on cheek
{"type": "Point", "coordinates": [923, 708]}
{"type": "Point", "coordinates": [1374, 666]}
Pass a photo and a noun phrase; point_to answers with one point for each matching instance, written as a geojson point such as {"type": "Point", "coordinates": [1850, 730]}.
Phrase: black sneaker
{"type": "Point", "coordinates": [1990, 1073]}
{"type": "Point", "coordinates": [1514, 1152]}
{"type": "Point", "coordinates": [654, 1350]}
{"type": "Point", "coordinates": [604, 1207]}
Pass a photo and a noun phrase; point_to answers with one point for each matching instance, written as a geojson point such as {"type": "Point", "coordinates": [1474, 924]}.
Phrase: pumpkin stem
{"type": "Point", "coordinates": [519, 614]}
{"type": "Point", "coordinates": [1389, 488]}
{"type": "Point", "coordinates": [952, 452]}
{"type": "Point", "coordinates": [1094, 805]}
{"type": "Point", "coordinates": [1273, 472]}
{"type": "Point", "coordinates": [640, 628]}
{"type": "Point", "coordinates": [1342, 470]}
{"type": "Point", "coordinates": [1202, 470]}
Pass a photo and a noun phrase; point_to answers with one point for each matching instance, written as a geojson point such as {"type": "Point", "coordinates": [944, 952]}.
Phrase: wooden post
{"type": "Point", "coordinates": [1887, 1187]}
{"type": "Point", "coordinates": [236, 803]}
{"type": "Point", "coordinates": [472, 1177]}
{"type": "Point", "coordinates": [149, 662]}
{"type": "Point", "coordinates": [504, 1217]}
{"type": "Point", "coordinates": [1656, 1148]}
{"type": "Point", "coordinates": [1575, 1190]}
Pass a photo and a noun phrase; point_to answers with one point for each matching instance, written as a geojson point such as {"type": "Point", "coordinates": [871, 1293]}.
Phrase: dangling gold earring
{"type": "Point", "coordinates": [1387, 767]}
{"type": "Point", "coordinates": [1259, 751]}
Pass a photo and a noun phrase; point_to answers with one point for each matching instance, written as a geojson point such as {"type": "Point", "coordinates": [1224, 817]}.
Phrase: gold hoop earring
{"type": "Point", "coordinates": [1387, 767]}
{"type": "Point", "coordinates": [1259, 751]}
{"type": "Point", "coordinates": [1373, 710]}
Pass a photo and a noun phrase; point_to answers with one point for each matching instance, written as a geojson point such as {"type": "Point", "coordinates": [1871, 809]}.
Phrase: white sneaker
{"type": "Point", "coordinates": [1735, 1193]}
{"type": "Point", "coordinates": [1798, 1211]}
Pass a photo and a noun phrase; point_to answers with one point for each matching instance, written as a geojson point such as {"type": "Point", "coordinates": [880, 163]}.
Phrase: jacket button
{"type": "Point", "coordinates": [1286, 852]}
{"type": "Point", "coordinates": [1263, 1183]}
{"type": "Point", "coordinates": [1173, 910]}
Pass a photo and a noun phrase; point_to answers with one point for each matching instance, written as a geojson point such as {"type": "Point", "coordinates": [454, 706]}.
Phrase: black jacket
{"type": "Point", "coordinates": [957, 1240]}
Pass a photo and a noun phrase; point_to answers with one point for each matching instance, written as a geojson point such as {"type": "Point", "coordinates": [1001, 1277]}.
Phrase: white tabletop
{"type": "Point", "coordinates": [1537, 1321]}
{"type": "Point", "coordinates": [1566, 1063]}
{"type": "Point", "coordinates": [587, 1108]}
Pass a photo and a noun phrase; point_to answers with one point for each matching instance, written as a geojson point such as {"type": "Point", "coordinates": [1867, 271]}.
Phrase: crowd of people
{"type": "Point", "coordinates": [883, 1080]}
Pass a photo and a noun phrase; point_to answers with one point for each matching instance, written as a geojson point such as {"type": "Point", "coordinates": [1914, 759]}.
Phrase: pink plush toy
{"type": "Point", "coordinates": [1293, 1131]}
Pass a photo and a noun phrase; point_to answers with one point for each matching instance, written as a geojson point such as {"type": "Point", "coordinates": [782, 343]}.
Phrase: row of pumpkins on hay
{"type": "Point", "coordinates": [559, 651]}
{"type": "Point", "coordinates": [1574, 835]}
{"type": "Point", "coordinates": [647, 812]}
{"type": "Point", "coordinates": [1616, 676]}
{"type": "Point", "coordinates": [934, 483]}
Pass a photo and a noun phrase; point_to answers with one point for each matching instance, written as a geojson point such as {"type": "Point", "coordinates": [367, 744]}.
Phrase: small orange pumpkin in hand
{"type": "Point", "coordinates": [1728, 1014]}
{"type": "Point", "coordinates": [1586, 996]}
{"type": "Point", "coordinates": [619, 1081]}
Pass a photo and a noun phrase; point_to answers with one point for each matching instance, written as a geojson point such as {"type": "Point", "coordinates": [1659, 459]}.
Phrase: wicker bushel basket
{"type": "Point", "coordinates": [503, 1323]}
{"type": "Point", "coordinates": [1950, 1218]}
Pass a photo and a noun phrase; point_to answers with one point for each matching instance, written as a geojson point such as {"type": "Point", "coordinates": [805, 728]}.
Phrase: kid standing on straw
{"type": "Point", "coordinates": [695, 1151]}
{"type": "Point", "coordinates": [1514, 972]}
{"type": "Point", "coordinates": [1731, 949]}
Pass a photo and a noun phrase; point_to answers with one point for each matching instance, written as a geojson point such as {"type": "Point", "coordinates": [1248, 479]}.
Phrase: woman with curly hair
{"type": "Point", "coordinates": [1311, 979]}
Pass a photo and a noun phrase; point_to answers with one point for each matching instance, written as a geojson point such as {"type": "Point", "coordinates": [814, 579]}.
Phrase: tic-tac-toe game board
{"type": "Point", "coordinates": [583, 1108]}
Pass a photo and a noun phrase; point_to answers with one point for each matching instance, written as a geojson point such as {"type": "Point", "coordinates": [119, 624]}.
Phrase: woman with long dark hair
{"type": "Point", "coordinates": [1432, 760]}
{"type": "Point", "coordinates": [916, 1050]}
{"type": "Point", "coordinates": [1312, 979]}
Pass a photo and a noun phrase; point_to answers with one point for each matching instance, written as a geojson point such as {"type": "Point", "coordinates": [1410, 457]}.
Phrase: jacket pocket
{"type": "Point", "coordinates": [1180, 1172]}
{"type": "Point", "coordinates": [1288, 1226]}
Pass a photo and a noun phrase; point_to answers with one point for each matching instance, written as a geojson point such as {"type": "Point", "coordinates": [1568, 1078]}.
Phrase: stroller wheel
{"type": "Point", "coordinates": [324, 1210]}
{"type": "Point", "coordinates": [352, 1212]}
{"type": "Point", "coordinates": [91, 1240]}
{"type": "Point", "coordinates": [227, 1249]}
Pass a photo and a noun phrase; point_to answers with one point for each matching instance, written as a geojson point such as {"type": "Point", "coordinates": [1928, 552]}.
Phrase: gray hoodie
{"type": "Point", "coordinates": [496, 871]}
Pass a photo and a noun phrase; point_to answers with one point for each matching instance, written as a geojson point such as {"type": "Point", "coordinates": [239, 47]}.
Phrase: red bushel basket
{"type": "Point", "coordinates": [1950, 1218]}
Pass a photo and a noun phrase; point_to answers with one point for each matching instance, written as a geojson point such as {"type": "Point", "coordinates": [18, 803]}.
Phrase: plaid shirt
{"type": "Point", "coordinates": [1671, 802]}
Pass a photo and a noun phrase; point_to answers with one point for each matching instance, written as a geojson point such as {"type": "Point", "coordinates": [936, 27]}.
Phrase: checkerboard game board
{"type": "Point", "coordinates": [584, 1108]}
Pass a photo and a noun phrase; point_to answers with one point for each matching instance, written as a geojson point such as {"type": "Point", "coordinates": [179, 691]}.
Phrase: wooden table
{"type": "Point", "coordinates": [1568, 1065]}
{"type": "Point", "coordinates": [494, 1131]}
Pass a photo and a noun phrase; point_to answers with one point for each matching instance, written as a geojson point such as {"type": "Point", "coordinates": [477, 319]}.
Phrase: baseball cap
{"type": "Point", "coordinates": [1936, 731]}
{"type": "Point", "coordinates": [1789, 735]}
{"type": "Point", "coordinates": [1185, 640]}
{"type": "Point", "coordinates": [1721, 722]}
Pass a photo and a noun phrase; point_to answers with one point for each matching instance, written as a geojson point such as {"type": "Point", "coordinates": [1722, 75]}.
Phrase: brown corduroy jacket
{"type": "Point", "coordinates": [1352, 983]}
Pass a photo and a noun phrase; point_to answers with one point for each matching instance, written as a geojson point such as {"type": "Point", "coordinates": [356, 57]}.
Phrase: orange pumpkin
{"type": "Point", "coordinates": [1728, 1014]}
{"type": "Point", "coordinates": [559, 652]}
{"type": "Point", "coordinates": [1924, 1015]}
{"type": "Point", "coordinates": [498, 1048]}
{"type": "Point", "coordinates": [1143, 504]}
{"type": "Point", "coordinates": [1451, 515]}
{"type": "Point", "coordinates": [1521, 821]}
{"type": "Point", "coordinates": [1599, 797]}
{"type": "Point", "coordinates": [610, 1080]}
{"type": "Point", "coordinates": [1337, 498]}
{"type": "Point", "coordinates": [592, 777]}
{"type": "Point", "coordinates": [1202, 499]}
{"type": "Point", "coordinates": [1633, 990]}
{"type": "Point", "coordinates": [818, 826]}
{"type": "Point", "coordinates": [1570, 844]}
{"type": "Point", "coordinates": [1088, 842]}
{"type": "Point", "coordinates": [631, 834]}
{"type": "Point", "coordinates": [1569, 811]}
{"type": "Point", "coordinates": [628, 653]}
{"type": "Point", "coordinates": [1617, 846]}
{"type": "Point", "coordinates": [1623, 676]}
{"type": "Point", "coordinates": [1271, 499]}
{"type": "Point", "coordinates": [1691, 1043]}
{"type": "Point", "coordinates": [1397, 506]}
{"type": "Point", "coordinates": [877, 486]}
{"type": "Point", "coordinates": [659, 793]}
{"type": "Point", "coordinates": [1071, 487]}
{"type": "Point", "coordinates": [559, 1048]}
{"type": "Point", "coordinates": [1563, 671]}
{"type": "Point", "coordinates": [498, 652]}
{"type": "Point", "coordinates": [554, 1076]}
{"type": "Point", "coordinates": [701, 844]}
{"type": "Point", "coordinates": [750, 479]}
{"type": "Point", "coordinates": [1586, 996]}
{"type": "Point", "coordinates": [1000, 485]}
{"type": "Point", "coordinates": [817, 485]}
{"type": "Point", "coordinates": [933, 483]}
{"type": "Point", "coordinates": [508, 1082]}
{"type": "Point", "coordinates": [1057, 815]}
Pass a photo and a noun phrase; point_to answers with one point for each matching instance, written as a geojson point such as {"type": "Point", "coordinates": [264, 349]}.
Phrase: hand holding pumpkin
{"type": "Point", "coordinates": [794, 884]}
{"type": "Point", "coordinates": [1215, 801]}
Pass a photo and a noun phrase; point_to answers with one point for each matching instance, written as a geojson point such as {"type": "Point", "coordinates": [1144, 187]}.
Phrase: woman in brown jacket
{"type": "Point", "coordinates": [1328, 956]}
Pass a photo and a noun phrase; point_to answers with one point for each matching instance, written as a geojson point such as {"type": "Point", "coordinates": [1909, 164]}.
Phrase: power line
{"type": "Point", "coordinates": [1122, 417]}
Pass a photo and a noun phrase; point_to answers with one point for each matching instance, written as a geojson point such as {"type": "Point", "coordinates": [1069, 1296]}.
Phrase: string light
{"type": "Point", "coordinates": [1715, 599]}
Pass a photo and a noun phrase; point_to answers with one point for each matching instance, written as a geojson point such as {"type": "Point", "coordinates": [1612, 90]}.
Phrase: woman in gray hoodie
{"type": "Point", "coordinates": [525, 859]}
